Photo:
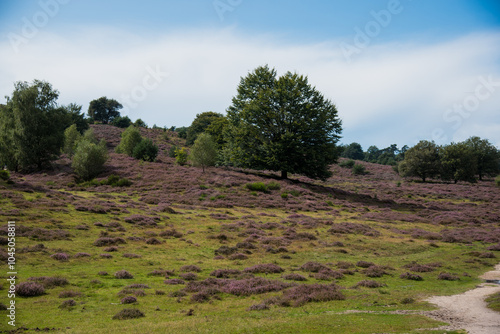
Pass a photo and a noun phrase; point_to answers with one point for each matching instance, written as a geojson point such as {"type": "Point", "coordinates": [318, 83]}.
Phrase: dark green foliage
{"type": "Point", "coordinates": [4, 175]}
{"type": "Point", "coordinates": [486, 156]}
{"type": "Point", "coordinates": [347, 163]}
{"type": "Point", "coordinates": [122, 122]}
{"type": "Point", "coordinates": [200, 125]}
{"type": "Point", "coordinates": [497, 181]}
{"type": "Point", "coordinates": [146, 150]}
{"type": "Point", "coordinates": [182, 132]}
{"type": "Point", "coordinates": [458, 163]}
{"type": "Point", "coordinates": [140, 123]}
{"type": "Point", "coordinates": [422, 160]}
{"type": "Point", "coordinates": [386, 156]}
{"type": "Point", "coordinates": [283, 124]}
{"type": "Point", "coordinates": [89, 159]}
{"type": "Point", "coordinates": [353, 151]}
{"type": "Point", "coordinates": [75, 116]}
{"type": "Point", "coordinates": [131, 137]}
{"type": "Point", "coordinates": [204, 151]}
{"type": "Point", "coordinates": [217, 129]}
{"type": "Point", "coordinates": [171, 151]}
{"type": "Point", "coordinates": [104, 110]}
{"type": "Point", "coordinates": [359, 169]}
{"type": "Point", "coordinates": [32, 126]}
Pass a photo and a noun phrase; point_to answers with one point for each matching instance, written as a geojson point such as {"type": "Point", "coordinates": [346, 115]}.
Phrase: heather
{"type": "Point", "coordinates": [177, 239]}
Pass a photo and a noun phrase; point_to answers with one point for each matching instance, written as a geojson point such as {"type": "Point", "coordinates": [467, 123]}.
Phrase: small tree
{"type": "Point", "coordinates": [486, 156]}
{"type": "Point", "coordinates": [146, 150]}
{"type": "Point", "coordinates": [140, 123]}
{"type": "Point", "coordinates": [131, 137]}
{"type": "Point", "coordinates": [121, 122]}
{"type": "Point", "coordinates": [204, 151]}
{"type": "Point", "coordinates": [89, 159]}
{"type": "Point", "coordinates": [104, 110]}
{"type": "Point", "coordinates": [181, 156]}
{"type": "Point", "coordinates": [71, 138]}
{"type": "Point", "coordinates": [422, 160]}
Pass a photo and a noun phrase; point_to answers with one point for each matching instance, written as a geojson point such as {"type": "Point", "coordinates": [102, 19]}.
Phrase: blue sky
{"type": "Point", "coordinates": [398, 71]}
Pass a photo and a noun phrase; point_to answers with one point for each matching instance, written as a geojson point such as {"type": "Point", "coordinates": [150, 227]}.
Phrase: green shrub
{"type": "Point", "coordinates": [172, 151]}
{"type": "Point", "coordinates": [181, 156]}
{"type": "Point", "coordinates": [4, 174]}
{"type": "Point", "coordinates": [146, 150]}
{"type": "Point", "coordinates": [497, 180]}
{"type": "Point", "coordinates": [71, 139]}
{"type": "Point", "coordinates": [358, 169]}
{"type": "Point", "coordinates": [89, 159]}
{"type": "Point", "coordinates": [258, 186]}
{"type": "Point", "coordinates": [130, 138]}
{"type": "Point", "coordinates": [273, 186]}
{"type": "Point", "coordinates": [347, 164]}
{"type": "Point", "coordinates": [121, 122]}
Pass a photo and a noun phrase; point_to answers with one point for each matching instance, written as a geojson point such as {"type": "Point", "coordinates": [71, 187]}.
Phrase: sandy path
{"type": "Point", "coordinates": [468, 310]}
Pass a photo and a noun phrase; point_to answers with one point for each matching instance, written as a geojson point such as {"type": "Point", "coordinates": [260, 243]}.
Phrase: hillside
{"type": "Point", "coordinates": [211, 252]}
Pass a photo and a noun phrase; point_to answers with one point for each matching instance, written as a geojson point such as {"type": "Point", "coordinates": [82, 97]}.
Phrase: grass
{"type": "Point", "coordinates": [493, 302]}
{"type": "Point", "coordinates": [330, 226]}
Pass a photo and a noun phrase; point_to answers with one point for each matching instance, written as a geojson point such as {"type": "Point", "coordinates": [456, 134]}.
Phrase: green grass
{"type": "Point", "coordinates": [494, 302]}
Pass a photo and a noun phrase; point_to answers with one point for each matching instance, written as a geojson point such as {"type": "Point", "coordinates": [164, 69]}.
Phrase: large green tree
{"type": "Point", "coordinates": [353, 151]}
{"type": "Point", "coordinates": [104, 110]}
{"type": "Point", "coordinates": [486, 156]}
{"type": "Point", "coordinates": [458, 162]}
{"type": "Point", "coordinates": [283, 124]}
{"type": "Point", "coordinates": [422, 160]}
{"type": "Point", "coordinates": [200, 125]}
{"type": "Point", "coordinates": [33, 126]}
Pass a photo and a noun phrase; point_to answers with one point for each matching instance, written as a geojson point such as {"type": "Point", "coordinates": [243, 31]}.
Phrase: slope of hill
{"type": "Point", "coordinates": [240, 251]}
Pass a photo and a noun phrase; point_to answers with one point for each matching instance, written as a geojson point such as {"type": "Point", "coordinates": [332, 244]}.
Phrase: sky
{"type": "Point", "coordinates": [398, 71]}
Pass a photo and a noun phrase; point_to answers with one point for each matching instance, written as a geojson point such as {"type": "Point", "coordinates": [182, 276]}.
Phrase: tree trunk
{"type": "Point", "coordinates": [284, 174]}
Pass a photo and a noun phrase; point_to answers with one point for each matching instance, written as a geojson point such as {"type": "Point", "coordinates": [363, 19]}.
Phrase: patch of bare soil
{"type": "Point", "coordinates": [468, 310]}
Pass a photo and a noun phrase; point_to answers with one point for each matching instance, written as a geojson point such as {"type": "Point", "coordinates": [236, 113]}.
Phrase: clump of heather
{"type": "Point", "coordinates": [63, 257]}
{"type": "Point", "coordinates": [294, 277]}
{"type": "Point", "coordinates": [123, 274]}
{"type": "Point", "coordinates": [188, 276]}
{"type": "Point", "coordinates": [265, 268]}
{"type": "Point", "coordinates": [29, 289]}
{"type": "Point", "coordinates": [190, 268]}
{"type": "Point", "coordinates": [128, 314]}
{"type": "Point", "coordinates": [225, 273]}
{"type": "Point", "coordinates": [448, 277]}
{"type": "Point", "coordinates": [313, 267]}
{"type": "Point", "coordinates": [308, 293]}
{"type": "Point", "coordinates": [410, 276]}
{"type": "Point", "coordinates": [369, 284]}
{"type": "Point", "coordinates": [129, 300]}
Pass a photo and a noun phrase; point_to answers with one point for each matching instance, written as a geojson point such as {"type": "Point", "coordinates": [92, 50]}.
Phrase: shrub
{"type": "Point", "coordinates": [375, 271]}
{"type": "Point", "coordinates": [181, 156]}
{"type": "Point", "coordinates": [121, 122]}
{"type": "Point", "coordinates": [347, 163]}
{"type": "Point", "coordinates": [312, 267]}
{"type": "Point", "coordinates": [258, 186]}
{"type": "Point", "coordinates": [369, 284]}
{"type": "Point", "coordinates": [189, 276]}
{"type": "Point", "coordinates": [50, 282]}
{"type": "Point", "coordinates": [68, 304]}
{"type": "Point", "coordinates": [128, 300]}
{"type": "Point", "coordinates": [410, 276]}
{"type": "Point", "coordinates": [106, 241]}
{"type": "Point", "coordinates": [131, 256]}
{"type": "Point", "coordinates": [4, 174]}
{"type": "Point", "coordinates": [497, 181]}
{"type": "Point", "coordinates": [71, 138]}
{"type": "Point", "coordinates": [364, 264]}
{"type": "Point", "coordinates": [128, 313]}
{"type": "Point", "coordinates": [225, 273]}
{"type": "Point", "coordinates": [29, 289]}
{"type": "Point", "coordinates": [448, 277]}
{"type": "Point", "coordinates": [131, 137]}
{"type": "Point", "coordinates": [191, 268]}
{"type": "Point", "coordinates": [63, 257]}
{"type": "Point", "coordinates": [172, 151]}
{"type": "Point", "coordinates": [359, 169]}
{"type": "Point", "coordinates": [238, 256]}
{"type": "Point", "coordinates": [89, 159]}
{"type": "Point", "coordinates": [174, 281]}
{"type": "Point", "coordinates": [123, 274]}
{"type": "Point", "coordinates": [266, 268]}
{"type": "Point", "coordinates": [153, 241]}
{"type": "Point", "coordinates": [302, 294]}
{"type": "Point", "coordinates": [146, 150]}
{"type": "Point", "coordinates": [204, 151]}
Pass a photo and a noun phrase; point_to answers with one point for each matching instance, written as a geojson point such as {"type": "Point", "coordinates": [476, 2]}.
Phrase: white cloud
{"type": "Point", "coordinates": [402, 89]}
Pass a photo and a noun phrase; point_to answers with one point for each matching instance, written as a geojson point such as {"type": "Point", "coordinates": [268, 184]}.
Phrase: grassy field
{"type": "Point", "coordinates": [222, 252]}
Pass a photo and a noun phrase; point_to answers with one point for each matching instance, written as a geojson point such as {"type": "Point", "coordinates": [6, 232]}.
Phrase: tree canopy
{"type": "Point", "coordinates": [33, 125]}
{"type": "Point", "coordinates": [283, 124]}
{"type": "Point", "coordinates": [104, 110]}
{"type": "Point", "coordinates": [486, 156]}
{"type": "Point", "coordinates": [200, 125]}
{"type": "Point", "coordinates": [422, 160]}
